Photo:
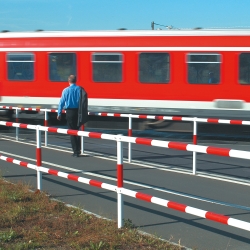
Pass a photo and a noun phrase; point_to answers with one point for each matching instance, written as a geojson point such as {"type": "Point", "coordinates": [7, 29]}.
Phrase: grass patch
{"type": "Point", "coordinates": [31, 220]}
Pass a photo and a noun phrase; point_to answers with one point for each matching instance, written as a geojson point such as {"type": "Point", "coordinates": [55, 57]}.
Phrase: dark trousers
{"type": "Point", "coordinates": [72, 116]}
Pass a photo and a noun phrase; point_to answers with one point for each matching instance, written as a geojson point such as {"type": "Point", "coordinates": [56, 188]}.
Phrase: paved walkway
{"type": "Point", "coordinates": [163, 182]}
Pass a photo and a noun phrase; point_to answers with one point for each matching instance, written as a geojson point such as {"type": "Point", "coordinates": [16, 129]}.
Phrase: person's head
{"type": "Point", "coordinates": [72, 79]}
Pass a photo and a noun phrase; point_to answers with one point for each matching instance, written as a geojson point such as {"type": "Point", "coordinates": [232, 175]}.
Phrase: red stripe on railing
{"type": "Point", "coordinates": [104, 114]}
{"type": "Point", "coordinates": [143, 141]}
{"type": "Point", "coordinates": [95, 183]}
{"type": "Point", "coordinates": [38, 157]}
{"type": "Point", "coordinates": [23, 164]}
{"type": "Point", "coordinates": [159, 117]}
{"type": "Point", "coordinates": [217, 217]}
{"type": "Point", "coordinates": [54, 130]}
{"type": "Point", "coordinates": [117, 115]}
{"type": "Point", "coordinates": [218, 151]}
{"type": "Point", "coordinates": [22, 125]}
{"type": "Point", "coordinates": [9, 123]}
{"type": "Point", "coordinates": [212, 120]}
{"type": "Point", "coordinates": [53, 172]}
{"type": "Point", "coordinates": [8, 159]}
{"type": "Point", "coordinates": [73, 177]}
{"type": "Point", "coordinates": [177, 118]}
{"type": "Point", "coordinates": [178, 145]}
{"type": "Point", "coordinates": [72, 132]}
{"type": "Point", "coordinates": [144, 197]}
{"type": "Point", "coordinates": [95, 135]}
{"type": "Point", "coordinates": [143, 116]}
{"type": "Point", "coordinates": [119, 175]}
{"type": "Point", "coordinates": [177, 206]}
{"type": "Point", "coordinates": [129, 132]}
{"type": "Point", "coordinates": [236, 122]}
{"type": "Point", "coordinates": [195, 139]}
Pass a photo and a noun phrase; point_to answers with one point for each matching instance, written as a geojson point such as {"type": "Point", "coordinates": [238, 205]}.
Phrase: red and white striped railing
{"type": "Point", "coordinates": [120, 190]}
{"type": "Point", "coordinates": [155, 117]}
{"type": "Point", "coordinates": [195, 120]}
{"type": "Point", "coordinates": [188, 209]}
{"type": "Point", "coordinates": [137, 140]}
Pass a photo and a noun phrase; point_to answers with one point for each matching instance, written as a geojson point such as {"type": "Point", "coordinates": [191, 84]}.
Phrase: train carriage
{"type": "Point", "coordinates": [180, 72]}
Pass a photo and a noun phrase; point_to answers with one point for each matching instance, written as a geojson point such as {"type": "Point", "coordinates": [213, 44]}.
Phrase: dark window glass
{"type": "Point", "coordinates": [20, 66]}
{"type": "Point", "coordinates": [107, 58]}
{"type": "Point", "coordinates": [107, 67]}
{"type": "Point", "coordinates": [204, 68]}
{"type": "Point", "coordinates": [61, 65]}
{"type": "Point", "coordinates": [154, 67]}
{"type": "Point", "coordinates": [204, 58]}
{"type": "Point", "coordinates": [244, 68]}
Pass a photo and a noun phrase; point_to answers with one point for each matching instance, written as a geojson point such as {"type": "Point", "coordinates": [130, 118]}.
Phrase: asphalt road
{"type": "Point", "coordinates": [221, 185]}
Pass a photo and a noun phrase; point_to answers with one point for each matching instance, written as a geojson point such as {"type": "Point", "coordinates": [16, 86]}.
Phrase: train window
{"type": "Point", "coordinates": [154, 67]}
{"type": "Point", "coordinates": [204, 68]}
{"type": "Point", "coordinates": [244, 68]}
{"type": "Point", "coordinates": [61, 65]}
{"type": "Point", "coordinates": [107, 67]}
{"type": "Point", "coordinates": [20, 66]}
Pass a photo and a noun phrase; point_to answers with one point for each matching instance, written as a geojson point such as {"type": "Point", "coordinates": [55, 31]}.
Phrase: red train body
{"type": "Point", "coordinates": [195, 72]}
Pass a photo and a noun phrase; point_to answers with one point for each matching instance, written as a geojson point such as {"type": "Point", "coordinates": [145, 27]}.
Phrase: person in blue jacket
{"type": "Point", "coordinates": [71, 100]}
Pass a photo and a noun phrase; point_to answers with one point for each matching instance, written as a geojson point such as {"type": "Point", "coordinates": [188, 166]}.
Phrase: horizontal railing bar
{"type": "Point", "coordinates": [138, 195]}
{"type": "Point", "coordinates": [138, 116]}
{"type": "Point", "coordinates": [143, 141]}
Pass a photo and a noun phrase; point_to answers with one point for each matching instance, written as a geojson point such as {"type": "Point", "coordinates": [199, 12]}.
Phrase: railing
{"type": "Point", "coordinates": [119, 189]}
{"type": "Point", "coordinates": [195, 121]}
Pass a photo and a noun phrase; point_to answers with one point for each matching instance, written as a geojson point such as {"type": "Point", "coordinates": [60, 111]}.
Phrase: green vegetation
{"type": "Point", "coordinates": [31, 220]}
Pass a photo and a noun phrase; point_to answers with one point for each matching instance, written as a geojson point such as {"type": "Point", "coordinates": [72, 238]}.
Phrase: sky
{"type": "Point", "coordinates": [30, 15]}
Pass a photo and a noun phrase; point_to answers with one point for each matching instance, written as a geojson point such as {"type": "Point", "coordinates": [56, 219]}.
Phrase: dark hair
{"type": "Point", "coordinates": [72, 79]}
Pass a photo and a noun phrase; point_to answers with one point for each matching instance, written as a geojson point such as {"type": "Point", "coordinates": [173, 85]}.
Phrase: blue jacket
{"type": "Point", "coordinates": [70, 98]}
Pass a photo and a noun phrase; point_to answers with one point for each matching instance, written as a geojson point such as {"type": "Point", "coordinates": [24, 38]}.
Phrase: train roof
{"type": "Point", "coordinates": [127, 33]}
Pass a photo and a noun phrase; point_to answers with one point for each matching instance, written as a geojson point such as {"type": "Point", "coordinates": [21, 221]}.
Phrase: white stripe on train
{"type": "Point", "coordinates": [121, 49]}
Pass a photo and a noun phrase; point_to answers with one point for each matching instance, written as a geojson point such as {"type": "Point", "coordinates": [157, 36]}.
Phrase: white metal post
{"type": "Point", "coordinates": [38, 158]}
{"type": "Point", "coordinates": [195, 143]}
{"type": "Point", "coordinates": [82, 140]}
{"type": "Point", "coordinates": [17, 129]}
{"type": "Point", "coordinates": [119, 182]}
{"type": "Point", "coordinates": [46, 125]}
{"type": "Point", "coordinates": [129, 134]}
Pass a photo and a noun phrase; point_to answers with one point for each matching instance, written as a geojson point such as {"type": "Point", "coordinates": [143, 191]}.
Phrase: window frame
{"type": "Point", "coordinates": [31, 61]}
{"type": "Point", "coordinates": [121, 61]}
{"type": "Point", "coordinates": [48, 60]}
{"type": "Point", "coordinates": [154, 52]}
{"type": "Point", "coordinates": [238, 78]}
{"type": "Point", "coordinates": [219, 61]}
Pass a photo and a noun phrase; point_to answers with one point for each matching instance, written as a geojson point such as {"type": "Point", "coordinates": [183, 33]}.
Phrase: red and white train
{"type": "Point", "coordinates": [181, 72]}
